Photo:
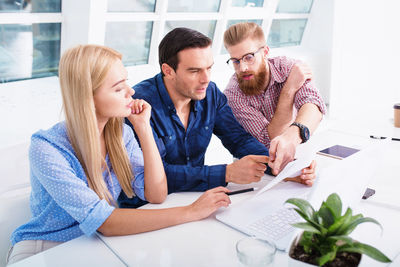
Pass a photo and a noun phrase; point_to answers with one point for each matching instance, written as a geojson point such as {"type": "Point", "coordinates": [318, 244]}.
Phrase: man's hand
{"type": "Point", "coordinates": [307, 175]}
{"type": "Point", "coordinates": [247, 170]}
{"type": "Point", "coordinates": [283, 148]}
{"type": "Point", "coordinates": [298, 75]}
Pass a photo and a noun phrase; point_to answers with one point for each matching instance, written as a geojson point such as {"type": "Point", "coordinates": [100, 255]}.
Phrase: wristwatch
{"type": "Point", "coordinates": [304, 132]}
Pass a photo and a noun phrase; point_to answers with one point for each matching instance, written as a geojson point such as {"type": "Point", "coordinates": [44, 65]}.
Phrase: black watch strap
{"type": "Point", "coordinates": [304, 132]}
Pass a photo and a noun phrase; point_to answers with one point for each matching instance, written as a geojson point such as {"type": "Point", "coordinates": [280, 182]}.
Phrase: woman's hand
{"type": "Point", "coordinates": [307, 175]}
{"type": "Point", "coordinates": [209, 202]}
{"type": "Point", "coordinates": [141, 112]}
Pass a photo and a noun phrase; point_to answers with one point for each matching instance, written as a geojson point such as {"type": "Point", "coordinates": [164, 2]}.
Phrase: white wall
{"type": "Point", "coordinates": [365, 59]}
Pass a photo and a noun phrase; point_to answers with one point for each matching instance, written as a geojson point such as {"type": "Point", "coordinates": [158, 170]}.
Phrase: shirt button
{"type": "Point", "coordinates": [170, 137]}
{"type": "Point", "coordinates": [206, 127]}
{"type": "Point", "coordinates": [187, 158]}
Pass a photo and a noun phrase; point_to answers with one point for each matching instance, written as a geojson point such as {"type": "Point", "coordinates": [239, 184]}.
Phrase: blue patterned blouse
{"type": "Point", "coordinates": [62, 204]}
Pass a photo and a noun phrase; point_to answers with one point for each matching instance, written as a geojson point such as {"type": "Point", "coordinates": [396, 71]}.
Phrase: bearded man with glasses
{"type": "Point", "coordinates": [272, 98]}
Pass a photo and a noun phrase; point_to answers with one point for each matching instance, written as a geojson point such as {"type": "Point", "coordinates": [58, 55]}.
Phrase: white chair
{"type": "Point", "coordinates": [14, 193]}
{"type": "Point", "coordinates": [14, 211]}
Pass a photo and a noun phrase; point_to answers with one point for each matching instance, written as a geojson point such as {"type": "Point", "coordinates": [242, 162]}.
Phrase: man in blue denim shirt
{"type": "Point", "coordinates": [186, 110]}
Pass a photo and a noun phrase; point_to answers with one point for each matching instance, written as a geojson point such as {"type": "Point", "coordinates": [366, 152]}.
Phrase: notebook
{"type": "Point", "coordinates": [266, 216]}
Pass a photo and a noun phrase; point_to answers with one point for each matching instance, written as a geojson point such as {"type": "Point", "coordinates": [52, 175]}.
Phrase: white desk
{"type": "Point", "coordinates": [211, 243]}
{"type": "Point", "coordinates": [83, 251]}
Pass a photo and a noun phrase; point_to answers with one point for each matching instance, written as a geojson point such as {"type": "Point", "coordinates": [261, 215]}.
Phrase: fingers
{"type": "Point", "coordinates": [218, 196]}
{"type": "Point", "coordinates": [284, 153]}
{"type": "Point", "coordinates": [137, 106]}
{"type": "Point", "coordinates": [272, 150]}
{"type": "Point", "coordinates": [281, 160]}
{"type": "Point", "coordinates": [305, 69]}
{"type": "Point", "coordinates": [306, 179]}
{"type": "Point", "coordinates": [259, 158]}
{"type": "Point", "coordinates": [219, 189]}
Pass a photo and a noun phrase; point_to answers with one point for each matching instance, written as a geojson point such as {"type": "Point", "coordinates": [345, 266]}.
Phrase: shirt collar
{"type": "Point", "coordinates": [162, 90]}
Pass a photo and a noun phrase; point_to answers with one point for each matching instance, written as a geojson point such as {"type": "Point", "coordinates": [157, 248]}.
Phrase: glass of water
{"type": "Point", "coordinates": [253, 251]}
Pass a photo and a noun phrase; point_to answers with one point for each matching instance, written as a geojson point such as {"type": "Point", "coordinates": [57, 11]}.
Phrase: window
{"type": "Point", "coordinates": [34, 6]}
{"type": "Point", "coordinates": [286, 32]}
{"type": "Point", "coordinates": [207, 27]}
{"type": "Point", "coordinates": [248, 3]}
{"type": "Point", "coordinates": [193, 6]}
{"type": "Point", "coordinates": [135, 43]}
{"type": "Point", "coordinates": [289, 22]}
{"type": "Point", "coordinates": [131, 5]}
{"type": "Point", "coordinates": [298, 6]}
{"type": "Point", "coordinates": [29, 43]}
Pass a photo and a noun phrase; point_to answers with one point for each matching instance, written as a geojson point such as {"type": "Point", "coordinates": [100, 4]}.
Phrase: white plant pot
{"type": "Point", "coordinates": [293, 262]}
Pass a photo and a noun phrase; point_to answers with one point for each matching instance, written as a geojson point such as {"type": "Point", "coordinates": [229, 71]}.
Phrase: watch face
{"type": "Point", "coordinates": [306, 134]}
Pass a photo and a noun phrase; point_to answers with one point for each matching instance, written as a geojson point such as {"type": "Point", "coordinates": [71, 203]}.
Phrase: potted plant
{"type": "Point", "coordinates": [325, 240]}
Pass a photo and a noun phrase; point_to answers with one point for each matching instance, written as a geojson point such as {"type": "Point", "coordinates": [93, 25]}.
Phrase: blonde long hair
{"type": "Point", "coordinates": [82, 70]}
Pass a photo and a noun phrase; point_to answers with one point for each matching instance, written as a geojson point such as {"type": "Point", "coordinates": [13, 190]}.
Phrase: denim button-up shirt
{"type": "Point", "coordinates": [183, 151]}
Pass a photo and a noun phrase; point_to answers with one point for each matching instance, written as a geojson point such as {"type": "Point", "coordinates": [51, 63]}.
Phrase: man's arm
{"type": "Point", "coordinates": [252, 155]}
{"type": "Point", "coordinates": [286, 143]}
{"type": "Point", "coordinates": [311, 107]}
{"type": "Point", "coordinates": [283, 115]}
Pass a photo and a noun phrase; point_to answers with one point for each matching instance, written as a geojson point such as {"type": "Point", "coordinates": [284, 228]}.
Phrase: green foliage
{"type": "Point", "coordinates": [326, 230]}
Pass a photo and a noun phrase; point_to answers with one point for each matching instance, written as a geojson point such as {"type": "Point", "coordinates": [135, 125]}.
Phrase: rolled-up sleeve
{"type": "Point", "coordinates": [96, 217]}
{"type": "Point", "coordinates": [308, 93]}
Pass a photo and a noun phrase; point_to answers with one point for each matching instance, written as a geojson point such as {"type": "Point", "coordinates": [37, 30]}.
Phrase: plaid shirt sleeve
{"type": "Point", "coordinates": [252, 120]}
{"type": "Point", "coordinates": [308, 93]}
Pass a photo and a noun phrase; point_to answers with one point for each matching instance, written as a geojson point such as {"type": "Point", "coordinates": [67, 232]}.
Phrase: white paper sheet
{"type": "Point", "coordinates": [292, 169]}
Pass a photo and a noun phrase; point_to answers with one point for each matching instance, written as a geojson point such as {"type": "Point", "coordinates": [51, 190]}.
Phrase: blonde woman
{"type": "Point", "coordinates": [79, 167]}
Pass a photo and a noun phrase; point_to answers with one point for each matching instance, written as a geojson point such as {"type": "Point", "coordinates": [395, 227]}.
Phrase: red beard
{"type": "Point", "coordinates": [255, 85]}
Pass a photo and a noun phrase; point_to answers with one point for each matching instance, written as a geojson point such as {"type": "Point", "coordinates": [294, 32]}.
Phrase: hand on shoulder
{"type": "Point", "coordinates": [298, 75]}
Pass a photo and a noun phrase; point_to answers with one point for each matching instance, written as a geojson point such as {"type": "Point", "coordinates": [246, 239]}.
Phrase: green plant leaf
{"type": "Point", "coordinates": [310, 221]}
{"type": "Point", "coordinates": [358, 221]}
{"type": "Point", "coordinates": [326, 214]}
{"type": "Point", "coordinates": [367, 250]}
{"type": "Point", "coordinates": [330, 256]}
{"type": "Point", "coordinates": [332, 230]}
{"type": "Point", "coordinates": [306, 226]}
{"type": "Point", "coordinates": [335, 204]}
{"type": "Point", "coordinates": [339, 227]}
{"type": "Point", "coordinates": [303, 205]}
{"type": "Point", "coordinates": [341, 240]}
{"type": "Point", "coordinates": [306, 241]}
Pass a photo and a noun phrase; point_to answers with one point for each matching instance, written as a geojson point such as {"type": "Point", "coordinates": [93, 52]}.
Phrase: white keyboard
{"type": "Point", "coordinates": [277, 225]}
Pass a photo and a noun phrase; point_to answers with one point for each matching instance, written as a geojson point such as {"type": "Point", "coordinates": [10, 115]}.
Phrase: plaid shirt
{"type": "Point", "coordinates": [255, 112]}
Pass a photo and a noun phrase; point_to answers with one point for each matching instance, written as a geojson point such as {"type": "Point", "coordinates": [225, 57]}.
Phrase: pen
{"type": "Point", "coordinates": [240, 191]}
{"type": "Point", "coordinates": [384, 137]}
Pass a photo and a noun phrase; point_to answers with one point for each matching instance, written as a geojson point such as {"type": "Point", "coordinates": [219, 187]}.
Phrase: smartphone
{"type": "Point", "coordinates": [338, 151]}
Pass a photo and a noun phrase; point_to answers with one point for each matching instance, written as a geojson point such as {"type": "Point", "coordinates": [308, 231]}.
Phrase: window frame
{"type": "Point", "coordinates": [94, 16]}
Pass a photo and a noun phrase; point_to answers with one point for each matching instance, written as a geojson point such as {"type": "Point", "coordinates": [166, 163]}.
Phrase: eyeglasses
{"type": "Point", "coordinates": [249, 59]}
